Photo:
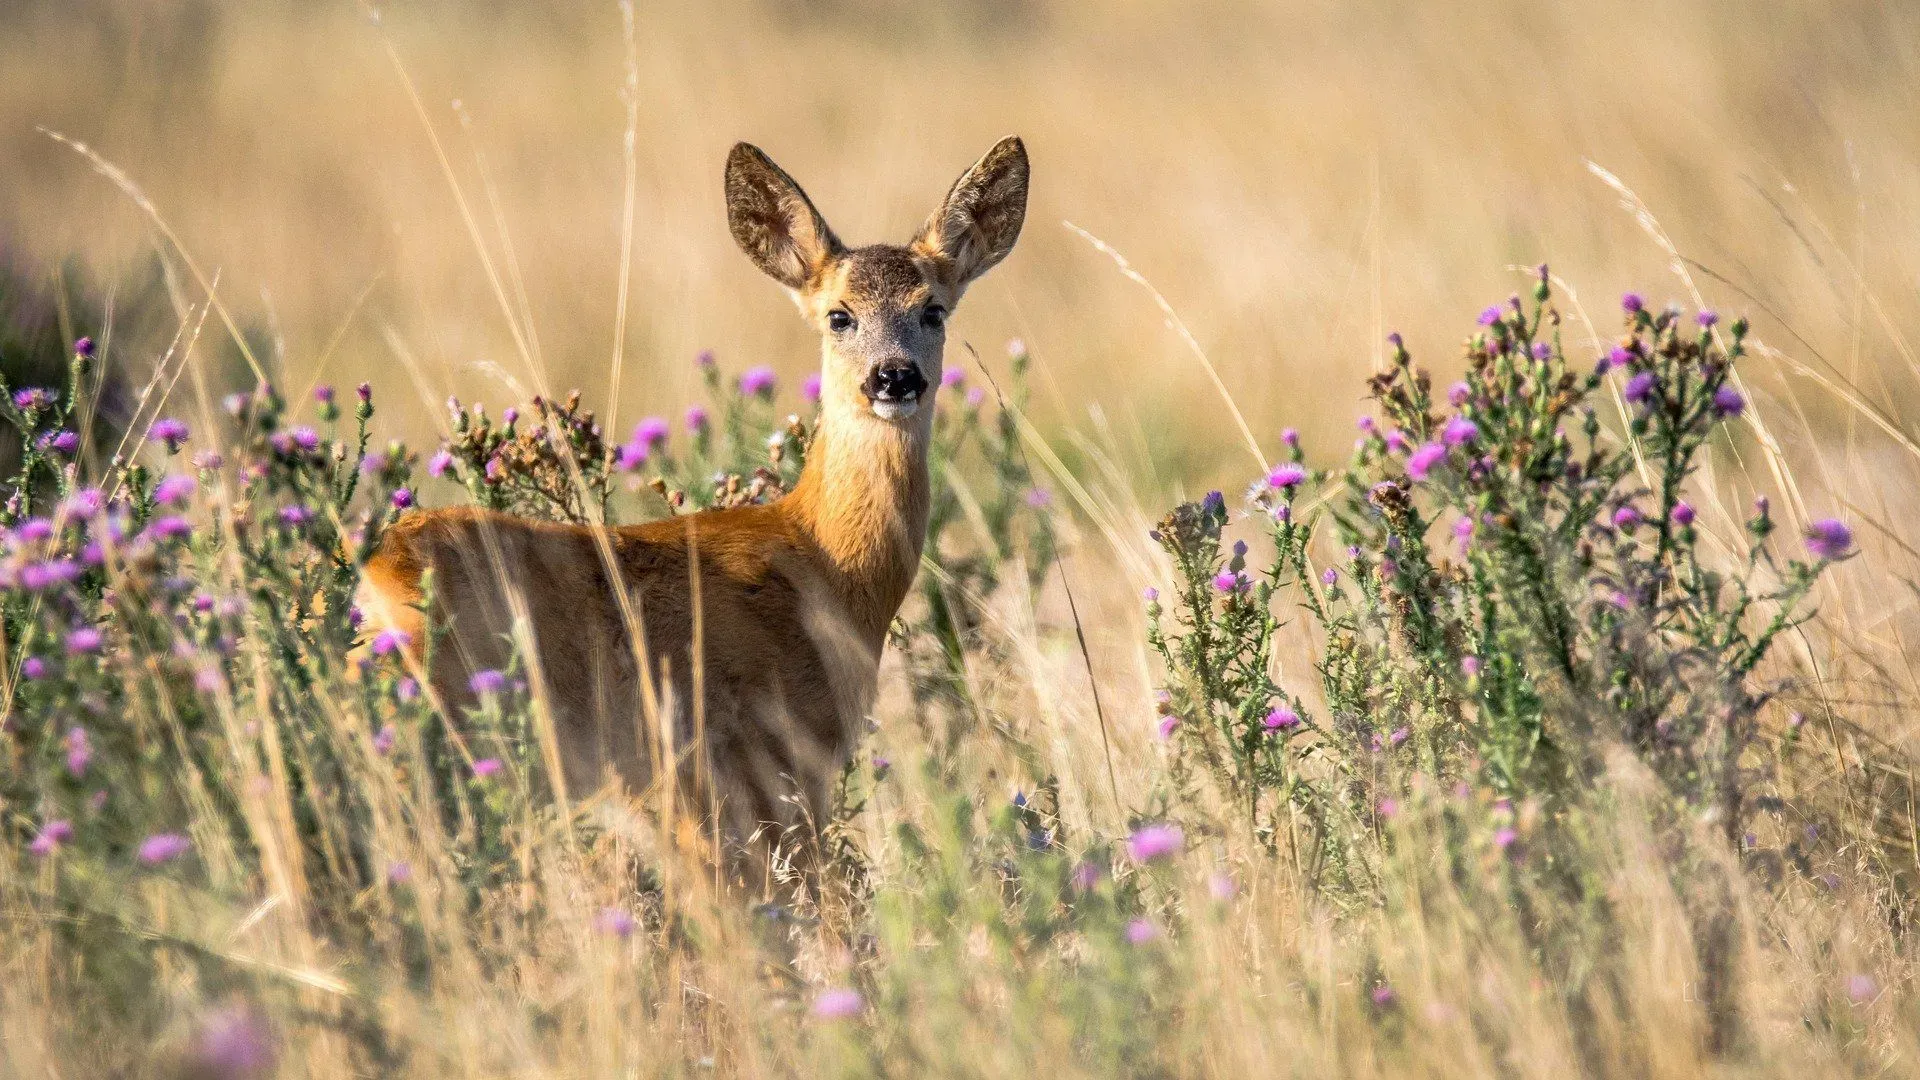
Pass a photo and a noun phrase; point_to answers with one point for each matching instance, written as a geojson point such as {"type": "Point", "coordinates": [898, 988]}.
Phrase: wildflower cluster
{"type": "Point", "coordinates": [557, 463]}
{"type": "Point", "coordinates": [1522, 586]}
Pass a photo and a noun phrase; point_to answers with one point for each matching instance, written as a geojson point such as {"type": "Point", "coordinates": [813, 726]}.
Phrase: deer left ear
{"type": "Point", "coordinates": [980, 220]}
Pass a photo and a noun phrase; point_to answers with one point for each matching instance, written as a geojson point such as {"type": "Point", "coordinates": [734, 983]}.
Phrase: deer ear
{"type": "Point", "coordinates": [979, 221]}
{"type": "Point", "coordinates": [773, 221]}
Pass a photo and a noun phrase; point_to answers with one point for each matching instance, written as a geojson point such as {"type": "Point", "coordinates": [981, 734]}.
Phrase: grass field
{"type": "Point", "coordinates": [1662, 823]}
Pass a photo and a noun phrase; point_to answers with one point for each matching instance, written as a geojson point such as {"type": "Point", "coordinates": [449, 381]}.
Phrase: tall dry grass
{"type": "Point", "coordinates": [1295, 181]}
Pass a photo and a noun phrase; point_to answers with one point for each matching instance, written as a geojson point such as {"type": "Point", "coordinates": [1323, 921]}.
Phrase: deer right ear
{"type": "Point", "coordinates": [773, 221]}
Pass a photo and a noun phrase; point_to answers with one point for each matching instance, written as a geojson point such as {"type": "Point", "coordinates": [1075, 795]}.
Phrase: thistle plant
{"type": "Point", "coordinates": [1523, 586]}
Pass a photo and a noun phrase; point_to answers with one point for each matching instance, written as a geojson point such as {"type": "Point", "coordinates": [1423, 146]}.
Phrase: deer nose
{"type": "Point", "coordinates": [894, 380]}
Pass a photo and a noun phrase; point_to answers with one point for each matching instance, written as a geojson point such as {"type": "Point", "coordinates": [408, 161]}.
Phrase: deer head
{"type": "Point", "coordinates": [881, 310]}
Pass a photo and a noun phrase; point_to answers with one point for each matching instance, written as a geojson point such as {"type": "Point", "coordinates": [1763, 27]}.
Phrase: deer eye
{"type": "Point", "coordinates": [839, 321]}
{"type": "Point", "coordinates": [934, 316]}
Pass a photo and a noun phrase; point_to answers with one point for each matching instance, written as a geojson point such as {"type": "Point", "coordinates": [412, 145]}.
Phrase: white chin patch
{"type": "Point", "coordinates": [895, 410]}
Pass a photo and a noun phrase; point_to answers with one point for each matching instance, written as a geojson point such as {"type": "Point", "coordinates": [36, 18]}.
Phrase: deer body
{"type": "Point", "coordinates": [773, 617]}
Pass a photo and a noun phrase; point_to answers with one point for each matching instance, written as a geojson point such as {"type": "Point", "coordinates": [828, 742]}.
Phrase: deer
{"type": "Point", "coordinates": [738, 648]}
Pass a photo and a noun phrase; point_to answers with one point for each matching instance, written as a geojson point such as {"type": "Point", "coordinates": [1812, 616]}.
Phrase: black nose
{"type": "Point", "coordinates": [894, 380]}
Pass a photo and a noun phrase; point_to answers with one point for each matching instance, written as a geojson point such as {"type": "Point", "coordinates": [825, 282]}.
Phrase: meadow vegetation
{"type": "Point", "coordinates": [1555, 720]}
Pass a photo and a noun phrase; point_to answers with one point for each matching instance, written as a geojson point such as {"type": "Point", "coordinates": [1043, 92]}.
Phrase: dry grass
{"type": "Point", "coordinates": [1296, 181]}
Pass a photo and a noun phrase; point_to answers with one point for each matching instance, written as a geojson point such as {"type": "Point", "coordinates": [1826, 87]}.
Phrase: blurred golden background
{"type": "Point", "coordinates": [1297, 179]}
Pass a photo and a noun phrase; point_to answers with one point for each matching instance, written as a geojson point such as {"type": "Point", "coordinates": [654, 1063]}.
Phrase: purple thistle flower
{"type": "Point", "coordinates": [1399, 735]}
{"type": "Point", "coordinates": [208, 459]}
{"type": "Point", "coordinates": [1281, 719]}
{"type": "Point", "coordinates": [1329, 576]}
{"type": "Point", "coordinates": [1168, 724]}
{"type": "Point", "coordinates": [32, 531]}
{"type": "Point", "coordinates": [487, 681]}
{"type": "Point", "coordinates": [208, 680]}
{"type": "Point", "coordinates": [757, 381]}
{"type": "Point", "coordinates": [84, 640]}
{"type": "Point", "coordinates": [1459, 430]}
{"type": "Point", "coordinates": [1631, 303]}
{"type": "Point", "coordinates": [1861, 989]}
{"type": "Point", "coordinates": [51, 835]}
{"type": "Point", "coordinates": [1619, 357]}
{"type": "Point", "coordinates": [1490, 316]}
{"type": "Point", "coordinates": [163, 847]}
{"type": "Point", "coordinates": [175, 490]}
{"type": "Point", "coordinates": [1542, 350]}
{"type": "Point", "coordinates": [1829, 538]}
{"type": "Point", "coordinates": [390, 641]}
{"type": "Point", "coordinates": [364, 392]}
{"type": "Point", "coordinates": [1626, 518]}
{"type": "Point", "coordinates": [1151, 594]}
{"type": "Point", "coordinates": [79, 751]}
{"type": "Point", "coordinates": [1706, 319]}
{"type": "Point", "coordinates": [438, 464]}
{"type": "Point", "coordinates": [1228, 582]}
{"type": "Point", "coordinates": [1504, 836]}
{"type": "Point", "coordinates": [1682, 514]}
{"type": "Point", "coordinates": [510, 416]}
{"type": "Point", "coordinates": [170, 431]}
{"type": "Point", "coordinates": [651, 431]}
{"type": "Point", "coordinates": [1214, 503]}
{"type": "Point", "coordinates": [83, 347]}
{"type": "Point", "coordinates": [1397, 441]}
{"type": "Point", "coordinates": [705, 359]}
{"type": "Point", "coordinates": [64, 442]}
{"type": "Point", "coordinates": [32, 398]}
{"type": "Point", "coordinates": [696, 419]}
{"type": "Point", "coordinates": [486, 767]}
{"type": "Point", "coordinates": [1286, 475]}
{"type": "Point", "coordinates": [1366, 424]}
{"type": "Point", "coordinates": [1727, 402]}
{"type": "Point", "coordinates": [975, 395]}
{"type": "Point", "coordinates": [953, 376]}
{"type": "Point", "coordinates": [1085, 876]}
{"type": "Point", "coordinates": [305, 438]}
{"type": "Point", "coordinates": [1152, 843]}
{"type": "Point", "coordinates": [33, 668]}
{"type": "Point", "coordinates": [839, 1003]}
{"type": "Point", "coordinates": [614, 922]}
{"type": "Point", "coordinates": [1016, 348]}
{"type": "Point", "coordinates": [1388, 807]}
{"type": "Point", "coordinates": [1458, 393]}
{"type": "Point", "coordinates": [85, 503]}
{"type": "Point", "coordinates": [323, 394]}
{"type": "Point", "coordinates": [1470, 666]}
{"type": "Point", "coordinates": [1039, 498]}
{"type": "Point", "coordinates": [1142, 931]}
{"type": "Point", "coordinates": [1290, 436]}
{"type": "Point", "coordinates": [1222, 887]}
{"type": "Point", "coordinates": [1422, 461]}
{"type": "Point", "coordinates": [399, 873]}
{"type": "Point", "coordinates": [1384, 997]}
{"type": "Point", "coordinates": [35, 577]}
{"type": "Point", "coordinates": [373, 464]}
{"type": "Point", "coordinates": [235, 1045]}
{"type": "Point", "coordinates": [294, 515]}
{"type": "Point", "coordinates": [1640, 387]}
{"type": "Point", "coordinates": [402, 498]}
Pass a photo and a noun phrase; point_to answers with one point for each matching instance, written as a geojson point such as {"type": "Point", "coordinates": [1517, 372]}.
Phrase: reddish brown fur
{"type": "Point", "coordinates": [794, 598]}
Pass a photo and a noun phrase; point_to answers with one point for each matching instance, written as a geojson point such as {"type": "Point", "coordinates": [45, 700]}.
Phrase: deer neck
{"type": "Point", "coordinates": [863, 498]}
